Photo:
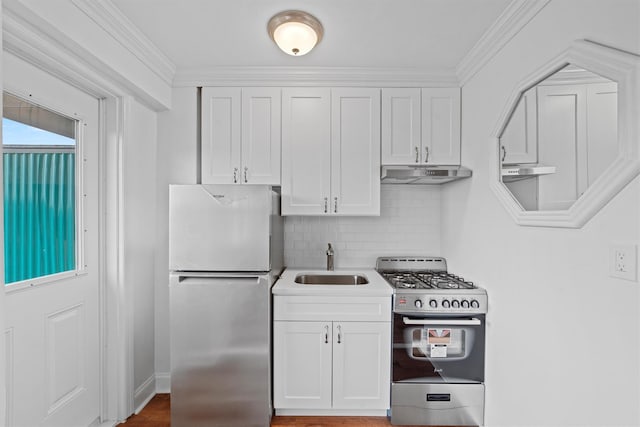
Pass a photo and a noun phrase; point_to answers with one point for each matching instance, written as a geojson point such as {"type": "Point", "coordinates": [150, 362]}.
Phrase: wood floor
{"type": "Point", "coordinates": [157, 414]}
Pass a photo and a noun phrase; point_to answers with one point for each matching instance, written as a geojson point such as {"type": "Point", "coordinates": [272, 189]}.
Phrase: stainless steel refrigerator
{"type": "Point", "coordinates": [225, 252]}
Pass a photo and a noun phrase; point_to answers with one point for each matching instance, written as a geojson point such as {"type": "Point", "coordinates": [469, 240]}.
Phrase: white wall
{"type": "Point", "coordinates": [563, 337]}
{"type": "Point", "coordinates": [409, 224]}
{"type": "Point", "coordinates": [177, 162]}
{"type": "Point", "coordinates": [139, 186]}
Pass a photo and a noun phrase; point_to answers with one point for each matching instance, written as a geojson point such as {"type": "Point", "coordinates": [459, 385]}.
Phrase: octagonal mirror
{"type": "Point", "coordinates": [568, 140]}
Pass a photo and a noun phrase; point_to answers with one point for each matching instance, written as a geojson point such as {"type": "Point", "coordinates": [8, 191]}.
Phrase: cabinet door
{"type": "Point", "coordinates": [361, 365]}
{"type": "Point", "coordinates": [441, 126]}
{"type": "Point", "coordinates": [306, 151]}
{"type": "Point", "coordinates": [519, 141]}
{"type": "Point", "coordinates": [401, 126]}
{"type": "Point", "coordinates": [562, 118]}
{"type": "Point", "coordinates": [355, 151]}
{"type": "Point", "coordinates": [261, 136]}
{"type": "Point", "coordinates": [302, 365]}
{"type": "Point", "coordinates": [602, 128]}
{"type": "Point", "coordinates": [221, 111]}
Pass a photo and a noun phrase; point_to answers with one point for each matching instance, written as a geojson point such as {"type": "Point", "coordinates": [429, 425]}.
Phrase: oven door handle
{"type": "Point", "coordinates": [456, 322]}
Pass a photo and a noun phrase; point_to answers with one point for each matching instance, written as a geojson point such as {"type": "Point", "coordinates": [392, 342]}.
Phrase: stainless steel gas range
{"type": "Point", "coordinates": [438, 343]}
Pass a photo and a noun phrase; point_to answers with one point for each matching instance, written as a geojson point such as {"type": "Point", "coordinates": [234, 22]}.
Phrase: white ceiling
{"type": "Point", "coordinates": [423, 34]}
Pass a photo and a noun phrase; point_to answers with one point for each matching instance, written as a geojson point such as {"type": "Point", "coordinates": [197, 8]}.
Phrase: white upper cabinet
{"type": "Point", "coordinates": [421, 126]}
{"type": "Point", "coordinates": [331, 151]}
{"type": "Point", "coordinates": [241, 135]}
{"type": "Point", "coordinates": [519, 142]}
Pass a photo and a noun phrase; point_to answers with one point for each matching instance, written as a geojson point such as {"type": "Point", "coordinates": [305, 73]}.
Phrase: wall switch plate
{"type": "Point", "coordinates": [623, 261]}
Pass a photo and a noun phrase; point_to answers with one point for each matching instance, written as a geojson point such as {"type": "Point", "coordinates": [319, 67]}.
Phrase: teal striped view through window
{"type": "Point", "coordinates": [39, 177]}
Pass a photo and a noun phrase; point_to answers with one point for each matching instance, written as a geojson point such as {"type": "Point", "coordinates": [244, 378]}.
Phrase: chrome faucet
{"type": "Point", "coordinates": [330, 258]}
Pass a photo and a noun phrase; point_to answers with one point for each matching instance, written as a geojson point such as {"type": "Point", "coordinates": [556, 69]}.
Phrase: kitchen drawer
{"type": "Point", "coordinates": [332, 308]}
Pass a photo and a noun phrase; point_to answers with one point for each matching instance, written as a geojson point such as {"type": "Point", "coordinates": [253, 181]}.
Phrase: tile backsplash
{"type": "Point", "coordinates": [409, 224]}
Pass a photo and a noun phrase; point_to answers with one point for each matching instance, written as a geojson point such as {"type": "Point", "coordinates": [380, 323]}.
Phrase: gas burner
{"type": "Point", "coordinates": [426, 280]}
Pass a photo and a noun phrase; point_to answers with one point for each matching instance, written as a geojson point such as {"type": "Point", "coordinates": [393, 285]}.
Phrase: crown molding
{"type": "Point", "coordinates": [517, 14]}
{"type": "Point", "coordinates": [30, 37]}
{"type": "Point", "coordinates": [315, 76]}
{"type": "Point", "coordinates": [106, 15]}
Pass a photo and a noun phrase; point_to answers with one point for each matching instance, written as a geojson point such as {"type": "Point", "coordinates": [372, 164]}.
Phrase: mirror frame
{"type": "Point", "coordinates": [616, 65]}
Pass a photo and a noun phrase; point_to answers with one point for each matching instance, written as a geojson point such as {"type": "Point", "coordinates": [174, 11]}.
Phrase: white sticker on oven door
{"type": "Point", "coordinates": [438, 350]}
{"type": "Point", "coordinates": [439, 336]}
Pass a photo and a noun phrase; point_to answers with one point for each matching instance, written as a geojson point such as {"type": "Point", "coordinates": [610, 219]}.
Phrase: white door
{"type": "Point", "coordinates": [302, 365]}
{"type": "Point", "coordinates": [520, 138]}
{"type": "Point", "coordinates": [562, 135]}
{"type": "Point", "coordinates": [441, 126]}
{"type": "Point", "coordinates": [401, 126]}
{"type": "Point", "coordinates": [306, 151]}
{"type": "Point", "coordinates": [355, 151]}
{"type": "Point", "coordinates": [53, 325]}
{"type": "Point", "coordinates": [261, 135]}
{"type": "Point", "coordinates": [361, 365]}
{"type": "Point", "coordinates": [221, 139]}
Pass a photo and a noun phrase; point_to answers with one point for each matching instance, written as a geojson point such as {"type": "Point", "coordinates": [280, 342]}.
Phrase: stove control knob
{"type": "Point", "coordinates": [475, 303]}
{"type": "Point", "coordinates": [433, 303]}
{"type": "Point", "coordinates": [465, 303]}
{"type": "Point", "coordinates": [418, 303]}
{"type": "Point", "coordinates": [446, 303]}
{"type": "Point", "coordinates": [455, 303]}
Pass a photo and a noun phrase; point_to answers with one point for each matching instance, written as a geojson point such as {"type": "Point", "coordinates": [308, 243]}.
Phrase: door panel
{"type": "Point", "coordinates": [401, 126]}
{"type": "Point", "coordinates": [302, 365]}
{"type": "Point", "coordinates": [361, 365]}
{"type": "Point", "coordinates": [441, 126]}
{"type": "Point", "coordinates": [261, 135]}
{"type": "Point", "coordinates": [355, 152]}
{"type": "Point", "coordinates": [221, 135]}
{"type": "Point", "coordinates": [53, 327]}
{"type": "Point", "coordinates": [306, 151]}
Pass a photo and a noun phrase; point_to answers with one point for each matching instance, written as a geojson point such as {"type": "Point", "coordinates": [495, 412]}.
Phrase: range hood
{"type": "Point", "coordinates": [512, 173]}
{"type": "Point", "coordinates": [422, 174]}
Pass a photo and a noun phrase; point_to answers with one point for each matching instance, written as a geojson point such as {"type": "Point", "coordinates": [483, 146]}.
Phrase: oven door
{"type": "Point", "coordinates": [438, 349]}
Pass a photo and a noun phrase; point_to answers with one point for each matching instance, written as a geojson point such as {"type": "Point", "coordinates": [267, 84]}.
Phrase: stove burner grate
{"type": "Point", "coordinates": [426, 280]}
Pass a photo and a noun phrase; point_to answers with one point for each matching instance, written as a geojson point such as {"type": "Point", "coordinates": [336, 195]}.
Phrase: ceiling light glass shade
{"type": "Point", "coordinates": [295, 32]}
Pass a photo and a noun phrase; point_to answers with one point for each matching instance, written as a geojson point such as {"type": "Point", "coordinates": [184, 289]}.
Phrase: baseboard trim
{"type": "Point", "coordinates": [163, 382]}
{"type": "Point", "coordinates": [144, 394]}
{"type": "Point", "coordinates": [333, 412]}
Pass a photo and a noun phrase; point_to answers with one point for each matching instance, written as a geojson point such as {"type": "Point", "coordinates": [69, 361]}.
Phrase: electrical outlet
{"type": "Point", "coordinates": [623, 261]}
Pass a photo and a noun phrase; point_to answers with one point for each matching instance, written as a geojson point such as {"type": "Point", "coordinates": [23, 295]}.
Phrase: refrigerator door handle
{"type": "Point", "coordinates": [185, 277]}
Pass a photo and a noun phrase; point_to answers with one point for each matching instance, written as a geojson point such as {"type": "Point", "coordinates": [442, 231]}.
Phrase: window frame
{"type": "Point", "coordinates": [80, 197]}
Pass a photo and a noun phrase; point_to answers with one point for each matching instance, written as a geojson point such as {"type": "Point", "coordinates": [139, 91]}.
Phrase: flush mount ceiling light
{"type": "Point", "coordinates": [295, 32]}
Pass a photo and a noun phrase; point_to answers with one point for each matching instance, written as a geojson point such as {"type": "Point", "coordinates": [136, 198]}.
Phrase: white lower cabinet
{"type": "Point", "coordinates": [324, 367]}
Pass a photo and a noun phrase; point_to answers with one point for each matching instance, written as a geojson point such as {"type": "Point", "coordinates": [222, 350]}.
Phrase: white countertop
{"type": "Point", "coordinates": [377, 286]}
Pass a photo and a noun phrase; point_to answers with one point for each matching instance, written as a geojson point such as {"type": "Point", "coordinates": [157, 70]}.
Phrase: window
{"type": "Point", "coordinates": [39, 166]}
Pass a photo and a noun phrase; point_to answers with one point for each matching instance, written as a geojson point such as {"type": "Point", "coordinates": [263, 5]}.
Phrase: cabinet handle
{"type": "Point", "coordinates": [426, 155]}
{"type": "Point", "coordinates": [335, 205]}
{"type": "Point", "coordinates": [235, 175]}
{"type": "Point", "coordinates": [326, 205]}
{"type": "Point", "coordinates": [246, 169]}
{"type": "Point", "coordinates": [417, 155]}
{"type": "Point", "coordinates": [339, 334]}
{"type": "Point", "coordinates": [326, 334]}
{"type": "Point", "coordinates": [504, 153]}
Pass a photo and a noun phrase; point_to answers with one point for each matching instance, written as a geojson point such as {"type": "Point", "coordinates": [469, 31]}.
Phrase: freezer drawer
{"type": "Point", "coordinates": [220, 360]}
